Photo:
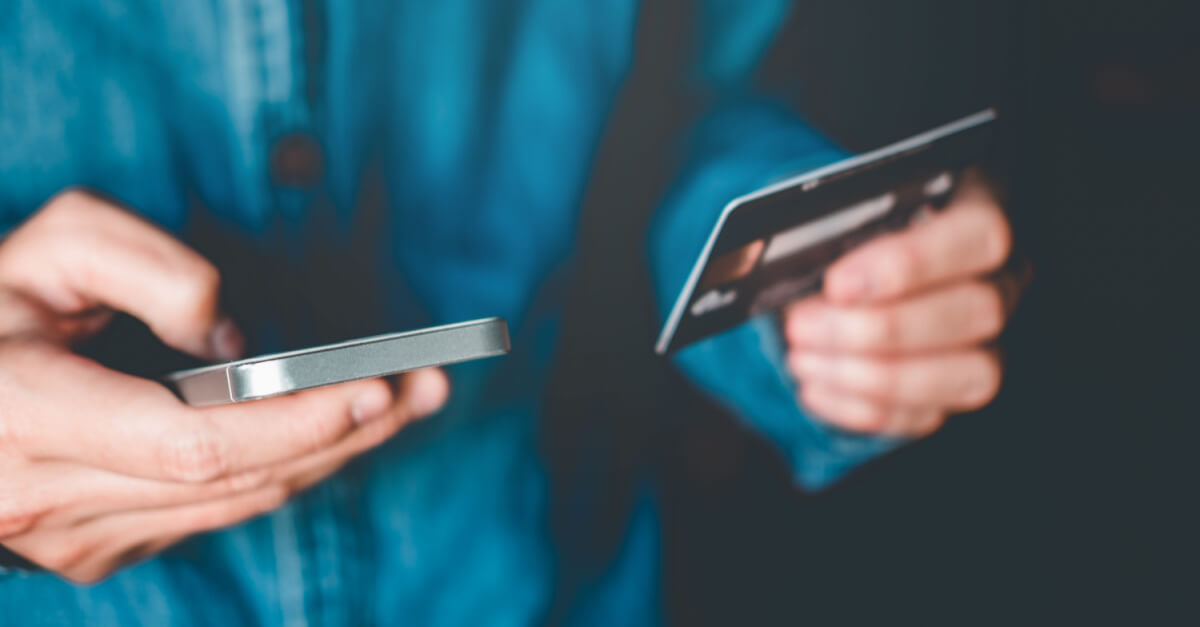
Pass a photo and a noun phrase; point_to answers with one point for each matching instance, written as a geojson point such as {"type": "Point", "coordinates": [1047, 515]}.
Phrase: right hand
{"type": "Point", "coordinates": [99, 469]}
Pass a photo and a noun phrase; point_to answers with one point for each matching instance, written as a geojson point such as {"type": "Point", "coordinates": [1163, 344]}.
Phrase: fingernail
{"type": "Point", "coordinates": [372, 404]}
{"type": "Point", "coordinates": [225, 341]}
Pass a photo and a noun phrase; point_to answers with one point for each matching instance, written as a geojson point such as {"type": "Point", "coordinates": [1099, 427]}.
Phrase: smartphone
{"type": "Point", "coordinates": [772, 246]}
{"type": "Point", "coordinates": [365, 358]}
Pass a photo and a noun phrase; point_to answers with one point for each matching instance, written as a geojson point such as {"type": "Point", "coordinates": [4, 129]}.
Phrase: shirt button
{"type": "Point", "coordinates": [297, 160]}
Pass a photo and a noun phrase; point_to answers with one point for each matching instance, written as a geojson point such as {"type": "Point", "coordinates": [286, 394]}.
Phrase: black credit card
{"type": "Point", "coordinates": [772, 247]}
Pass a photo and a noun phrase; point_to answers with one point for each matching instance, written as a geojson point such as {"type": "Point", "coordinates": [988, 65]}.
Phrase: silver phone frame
{"type": "Point", "coordinates": [363, 358]}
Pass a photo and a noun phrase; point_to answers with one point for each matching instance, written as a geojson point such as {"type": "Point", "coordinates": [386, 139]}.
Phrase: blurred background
{"type": "Point", "coordinates": [1072, 497]}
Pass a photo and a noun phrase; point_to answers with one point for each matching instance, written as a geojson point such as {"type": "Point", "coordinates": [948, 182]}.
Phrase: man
{"type": "Point", "coordinates": [267, 122]}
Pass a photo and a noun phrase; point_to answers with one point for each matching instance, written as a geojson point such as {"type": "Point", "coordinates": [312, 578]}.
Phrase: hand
{"type": "Point", "coordinates": [99, 469]}
{"type": "Point", "coordinates": [899, 338]}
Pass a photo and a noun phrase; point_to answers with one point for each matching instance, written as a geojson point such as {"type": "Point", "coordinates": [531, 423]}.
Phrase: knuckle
{"type": "Point", "coordinates": [195, 456]}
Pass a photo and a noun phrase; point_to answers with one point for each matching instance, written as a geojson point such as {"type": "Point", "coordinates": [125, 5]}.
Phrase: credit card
{"type": "Point", "coordinates": [772, 246]}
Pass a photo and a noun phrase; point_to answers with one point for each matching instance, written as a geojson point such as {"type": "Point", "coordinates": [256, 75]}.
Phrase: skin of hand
{"type": "Point", "coordinates": [898, 340]}
{"type": "Point", "coordinates": [99, 469]}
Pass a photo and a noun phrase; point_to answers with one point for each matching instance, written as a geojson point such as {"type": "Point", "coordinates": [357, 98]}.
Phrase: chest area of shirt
{"type": "Point", "coordinates": [107, 94]}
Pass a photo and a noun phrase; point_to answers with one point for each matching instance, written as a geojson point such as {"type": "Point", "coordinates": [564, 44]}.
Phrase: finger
{"type": "Point", "coordinates": [311, 421]}
{"type": "Point", "coordinates": [21, 315]}
{"type": "Point", "coordinates": [307, 471]}
{"type": "Point", "coordinates": [420, 394]}
{"type": "Point", "coordinates": [864, 415]}
{"type": "Point", "coordinates": [81, 252]}
{"type": "Point", "coordinates": [423, 391]}
{"type": "Point", "coordinates": [209, 516]}
{"type": "Point", "coordinates": [969, 238]}
{"type": "Point", "coordinates": [924, 424]}
{"type": "Point", "coordinates": [93, 551]}
{"type": "Point", "coordinates": [230, 438]}
{"type": "Point", "coordinates": [140, 552]}
{"type": "Point", "coordinates": [426, 390]}
{"type": "Point", "coordinates": [59, 494]}
{"type": "Point", "coordinates": [960, 315]}
{"type": "Point", "coordinates": [963, 380]}
{"type": "Point", "coordinates": [97, 417]}
{"type": "Point", "coordinates": [69, 493]}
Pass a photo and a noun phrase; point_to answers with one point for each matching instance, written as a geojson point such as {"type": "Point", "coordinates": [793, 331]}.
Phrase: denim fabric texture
{"type": "Point", "coordinates": [481, 118]}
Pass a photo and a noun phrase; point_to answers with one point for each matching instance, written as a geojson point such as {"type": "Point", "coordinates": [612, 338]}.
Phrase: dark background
{"type": "Point", "coordinates": [1068, 499]}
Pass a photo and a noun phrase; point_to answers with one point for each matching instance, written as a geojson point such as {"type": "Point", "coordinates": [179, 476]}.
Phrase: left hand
{"type": "Point", "coordinates": [898, 340]}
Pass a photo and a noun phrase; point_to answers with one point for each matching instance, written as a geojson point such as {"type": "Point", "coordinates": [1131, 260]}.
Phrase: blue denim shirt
{"type": "Point", "coordinates": [483, 117]}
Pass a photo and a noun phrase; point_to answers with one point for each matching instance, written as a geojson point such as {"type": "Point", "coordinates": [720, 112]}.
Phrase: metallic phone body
{"type": "Point", "coordinates": [377, 356]}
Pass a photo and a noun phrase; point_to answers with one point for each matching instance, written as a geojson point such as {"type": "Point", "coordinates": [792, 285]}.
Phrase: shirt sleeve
{"type": "Point", "coordinates": [743, 143]}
